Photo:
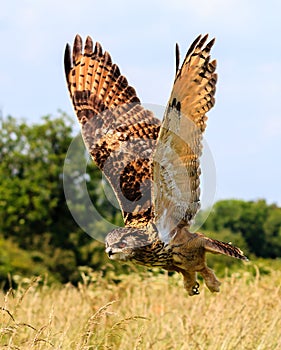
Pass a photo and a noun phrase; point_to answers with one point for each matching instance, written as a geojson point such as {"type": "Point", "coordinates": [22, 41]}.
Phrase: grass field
{"type": "Point", "coordinates": [144, 312]}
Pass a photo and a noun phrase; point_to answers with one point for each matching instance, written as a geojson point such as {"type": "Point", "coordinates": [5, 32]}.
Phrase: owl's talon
{"type": "Point", "coordinates": [195, 288]}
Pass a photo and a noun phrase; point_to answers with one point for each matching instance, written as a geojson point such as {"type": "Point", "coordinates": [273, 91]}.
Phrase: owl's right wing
{"type": "Point", "coordinates": [118, 132]}
{"type": "Point", "coordinates": [176, 166]}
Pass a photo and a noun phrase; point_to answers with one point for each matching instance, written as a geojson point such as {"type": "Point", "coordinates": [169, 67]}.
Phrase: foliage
{"type": "Point", "coordinates": [33, 210]}
{"type": "Point", "coordinates": [15, 261]}
{"type": "Point", "coordinates": [30, 175]}
{"type": "Point", "coordinates": [256, 222]}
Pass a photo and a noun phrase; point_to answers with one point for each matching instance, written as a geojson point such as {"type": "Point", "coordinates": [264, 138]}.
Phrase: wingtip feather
{"type": "Point", "coordinates": [77, 47]}
{"type": "Point", "coordinates": [177, 57]}
{"type": "Point", "coordinates": [88, 46]}
{"type": "Point", "coordinates": [210, 44]}
{"type": "Point", "coordinates": [98, 49]}
{"type": "Point", "coordinates": [67, 60]}
{"type": "Point", "coordinates": [203, 40]}
{"type": "Point", "coordinates": [192, 46]}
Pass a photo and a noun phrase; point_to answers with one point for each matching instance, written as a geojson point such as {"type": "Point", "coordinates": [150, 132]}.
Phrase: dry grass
{"type": "Point", "coordinates": [151, 313]}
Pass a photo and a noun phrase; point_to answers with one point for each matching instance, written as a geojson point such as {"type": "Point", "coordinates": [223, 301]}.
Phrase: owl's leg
{"type": "Point", "coordinates": [190, 283]}
{"type": "Point", "coordinates": [210, 279]}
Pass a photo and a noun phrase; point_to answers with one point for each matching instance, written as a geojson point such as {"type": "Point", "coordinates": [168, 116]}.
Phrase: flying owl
{"type": "Point", "coordinates": [153, 167]}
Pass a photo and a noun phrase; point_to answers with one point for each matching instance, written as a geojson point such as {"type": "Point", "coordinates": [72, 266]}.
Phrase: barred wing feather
{"type": "Point", "coordinates": [118, 132]}
{"type": "Point", "coordinates": [176, 167]}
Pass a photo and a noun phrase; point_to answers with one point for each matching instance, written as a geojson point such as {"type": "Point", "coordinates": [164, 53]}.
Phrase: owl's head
{"type": "Point", "coordinates": [123, 243]}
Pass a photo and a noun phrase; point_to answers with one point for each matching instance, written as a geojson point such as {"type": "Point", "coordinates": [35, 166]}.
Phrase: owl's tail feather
{"type": "Point", "coordinates": [218, 247]}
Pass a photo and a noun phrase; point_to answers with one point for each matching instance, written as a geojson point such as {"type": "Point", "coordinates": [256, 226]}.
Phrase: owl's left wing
{"type": "Point", "coordinates": [119, 133]}
{"type": "Point", "coordinates": [176, 167]}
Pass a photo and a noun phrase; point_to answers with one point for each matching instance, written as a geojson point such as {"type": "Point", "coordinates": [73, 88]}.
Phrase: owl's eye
{"type": "Point", "coordinates": [122, 244]}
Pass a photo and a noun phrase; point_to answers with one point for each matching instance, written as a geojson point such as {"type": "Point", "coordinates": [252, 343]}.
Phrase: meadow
{"type": "Point", "coordinates": [144, 311]}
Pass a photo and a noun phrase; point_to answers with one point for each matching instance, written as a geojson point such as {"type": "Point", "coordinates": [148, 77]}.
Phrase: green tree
{"type": "Point", "coordinates": [33, 209]}
{"type": "Point", "coordinates": [272, 230]}
{"type": "Point", "coordinates": [31, 159]}
{"type": "Point", "coordinates": [257, 222]}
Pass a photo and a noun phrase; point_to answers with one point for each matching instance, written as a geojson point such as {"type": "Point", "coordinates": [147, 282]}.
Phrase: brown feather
{"type": "Point", "coordinates": [218, 247]}
{"type": "Point", "coordinates": [176, 165]}
{"type": "Point", "coordinates": [118, 132]}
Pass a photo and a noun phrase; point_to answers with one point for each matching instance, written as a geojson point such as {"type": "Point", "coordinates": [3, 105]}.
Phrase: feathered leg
{"type": "Point", "coordinates": [190, 283]}
{"type": "Point", "coordinates": [210, 279]}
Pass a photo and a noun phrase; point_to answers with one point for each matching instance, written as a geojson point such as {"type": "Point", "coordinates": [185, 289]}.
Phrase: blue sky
{"type": "Point", "coordinates": [244, 128]}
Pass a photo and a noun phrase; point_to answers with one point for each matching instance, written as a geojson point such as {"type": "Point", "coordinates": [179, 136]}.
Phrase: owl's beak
{"type": "Point", "coordinates": [116, 254]}
{"type": "Point", "coordinates": [109, 251]}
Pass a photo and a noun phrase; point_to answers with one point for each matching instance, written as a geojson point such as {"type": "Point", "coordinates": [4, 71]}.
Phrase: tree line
{"type": "Point", "coordinates": [38, 233]}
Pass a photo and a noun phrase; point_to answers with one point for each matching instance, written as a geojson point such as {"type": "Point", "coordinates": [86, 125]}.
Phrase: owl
{"type": "Point", "coordinates": [152, 166]}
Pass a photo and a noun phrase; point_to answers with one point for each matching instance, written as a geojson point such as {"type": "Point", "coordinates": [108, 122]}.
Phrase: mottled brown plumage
{"type": "Point", "coordinates": [153, 170]}
{"type": "Point", "coordinates": [118, 132]}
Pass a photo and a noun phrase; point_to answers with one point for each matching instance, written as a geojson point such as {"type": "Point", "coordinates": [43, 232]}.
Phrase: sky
{"type": "Point", "coordinates": [244, 127]}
